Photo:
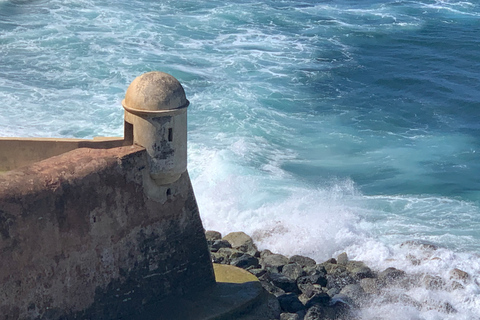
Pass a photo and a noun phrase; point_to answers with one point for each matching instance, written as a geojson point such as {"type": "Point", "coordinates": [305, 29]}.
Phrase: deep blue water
{"type": "Point", "coordinates": [316, 126]}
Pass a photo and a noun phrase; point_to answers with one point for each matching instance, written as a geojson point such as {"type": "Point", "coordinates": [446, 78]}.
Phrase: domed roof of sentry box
{"type": "Point", "coordinates": [155, 91]}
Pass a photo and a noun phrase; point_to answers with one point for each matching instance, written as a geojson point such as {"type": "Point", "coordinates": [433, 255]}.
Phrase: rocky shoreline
{"type": "Point", "coordinates": [334, 289]}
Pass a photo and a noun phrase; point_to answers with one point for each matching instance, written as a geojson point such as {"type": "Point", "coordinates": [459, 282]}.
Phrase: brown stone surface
{"type": "Point", "coordinates": [80, 239]}
{"type": "Point", "coordinates": [19, 152]}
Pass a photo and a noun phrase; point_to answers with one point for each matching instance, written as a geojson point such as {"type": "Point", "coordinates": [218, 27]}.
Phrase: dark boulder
{"type": "Point", "coordinates": [289, 316]}
{"type": "Point", "coordinates": [245, 261]}
{"type": "Point", "coordinates": [257, 272]}
{"type": "Point", "coordinates": [339, 281]}
{"type": "Point", "coordinates": [293, 270]}
{"type": "Point", "coordinates": [317, 298]}
{"type": "Point", "coordinates": [283, 282]}
{"type": "Point", "coordinates": [359, 270]}
{"type": "Point", "coordinates": [355, 293]}
{"type": "Point", "coordinates": [391, 276]}
{"type": "Point", "coordinates": [289, 303]}
{"type": "Point", "coordinates": [306, 282]}
{"type": "Point", "coordinates": [304, 262]}
{"type": "Point", "coordinates": [273, 262]}
{"type": "Point", "coordinates": [271, 288]}
{"type": "Point", "coordinates": [316, 312]}
{"type": "Point", "coordinates": [218, 244]}
{"type": "Point", "coordinates": [370, 285]}
{"type": "Point", "coordinates": [225, 255]}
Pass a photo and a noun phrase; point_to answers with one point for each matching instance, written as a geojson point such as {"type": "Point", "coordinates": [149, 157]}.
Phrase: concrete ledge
{"type": "Point", "coordinates": [19, 152]}
{"type": "Point", "coordinates": [235, 294]}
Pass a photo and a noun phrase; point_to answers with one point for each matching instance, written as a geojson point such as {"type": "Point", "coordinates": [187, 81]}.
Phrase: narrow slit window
{"type": "Point", "coordinates": [169, 192]}
{"type": "Point", "coordinates": [170, 134]}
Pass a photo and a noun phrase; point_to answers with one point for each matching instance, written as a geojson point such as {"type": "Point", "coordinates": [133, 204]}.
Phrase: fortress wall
{"type": "Point", "coordinates": [79, 238]}
{"type": "Point", "coordinates": [19, 152]}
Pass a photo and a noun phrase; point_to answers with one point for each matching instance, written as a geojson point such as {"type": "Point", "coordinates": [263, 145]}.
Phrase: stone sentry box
{"type": "Point", "coordinates": [102, 233]}
{"type": "Point", "coordinates": [156, 106]}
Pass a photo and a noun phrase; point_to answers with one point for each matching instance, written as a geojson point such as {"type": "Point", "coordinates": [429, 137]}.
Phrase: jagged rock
{"type": "Point", "coordinates": [316, 298]}
{"type": "Point", "coordinates": [213, 235]}
{"type": "Point", "coordinates": [216, 258]}
{"type": "Point", "coordinates": [273, 306]}
{"type": "Point", "coordinates": [308, 288]}
{"type": "Point", "coordinates": [232, 253]}
{"type": "Point", "coordinates": [444, 307]}
{"type": "Point", "coordinates": [241, 241]}
{"type": "Point", "coordinates": [316, 269]}
{"type": "Point", "coordinates": [265, 276]}
{"type": "Point", "coordinates": [433, 282]}
{"type": "Point", "coordinates": [302, 314]}
{"type": "Point", "coordinates": [409, 281]}
{"type": "Point", "coordinates": [293, 271]}
{"type": "Point", "coordinates": [225, 255]}
{"type": "Point", "coordinates": [284, 282]}
{"type": "Point", "coordinates": [219, 258]}
{"type": "Point", "coordinates": [455, 285]}
{"type": "Point", "coordinates": [354, 292]}
{"type": "Point", "coordinates": [257, 272]}
{"type": "Point", "coordinates": [305, 282]}
{"type": "Point", "coordinates": [273, 262]}
{"type": "Point", "coordinates": [310, 270]}
{"type": "Point", "coordinates": [245, 261]}
{"type": "Point", "coordinates": [328, 290]}
{"type": "Point", "coordinates": [457, 274]}
{"type": "Point", "coordinates": [405, 299]}
{"type": "Point", "coordinates": [265, 253]}
{"type": "Point", "coordinates": [289, 316]}
{"type": "Point", "coordinates": [339, 280]}
{"type": "Point", "coordinates": [304, 262]}
{"type": "Point", "coordinates": [447, 308]}
{"type": "Point", "coordinates": [270, 288]}
{"type": "Point", "coordinates": [289, 303]}
{"type": "Point", "coordinates": [370, 285]}
{"type": "Point", "coordinates": [333, 268]}
{"type": "Point", "coordinates": [391, 276]}
{"type": "Point", "coordinates": [333, 291]}
{"type": "Point", "coordinates": [320, 269]}
{"type": "Point", "coordinates": [340, 310]}
{"type": "Point", "coordinates": [309, 292]}
{"type": "Point", "coordinates": [342, 258]}
{"type": "Point", "coordinates": [344, 299]}
{"type": "Point", "coordinates": [217, 244]}
{"type": "Point", "coordinates": [316, 312]}
{"type": "Point", "coordinates": [359, 270]}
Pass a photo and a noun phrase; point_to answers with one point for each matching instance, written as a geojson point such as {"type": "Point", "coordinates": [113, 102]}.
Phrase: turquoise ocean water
{"type": "Point", "coordinates": [316, 126]}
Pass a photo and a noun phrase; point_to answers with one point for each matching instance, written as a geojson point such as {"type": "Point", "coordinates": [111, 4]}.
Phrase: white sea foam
{"type": "Point", "coordinates": [274, 148]}
{"type": "Point", "coordinates": [291, 219]}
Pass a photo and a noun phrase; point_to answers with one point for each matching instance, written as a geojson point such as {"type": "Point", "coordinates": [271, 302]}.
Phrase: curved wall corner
{"type": "Point", "coordinates": [79, 238]}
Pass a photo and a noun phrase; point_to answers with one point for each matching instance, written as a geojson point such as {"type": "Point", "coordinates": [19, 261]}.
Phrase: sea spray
{"type": "Point", "coordinates": [317, 127]}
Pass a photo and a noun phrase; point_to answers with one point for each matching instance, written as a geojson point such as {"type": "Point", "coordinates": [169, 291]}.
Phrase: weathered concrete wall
{"type": "Point", "coordinates": [79, 239]}
{"type": "Point", "coordinates": [19, 152]}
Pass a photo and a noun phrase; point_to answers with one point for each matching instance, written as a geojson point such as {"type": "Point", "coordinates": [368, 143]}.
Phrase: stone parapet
{"type": "Point", "coordinates": [19, 152]}
{"type": "Point", "coordinates": [101, 229]}
{"type": "Point", "coordinates": [79, 238]}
